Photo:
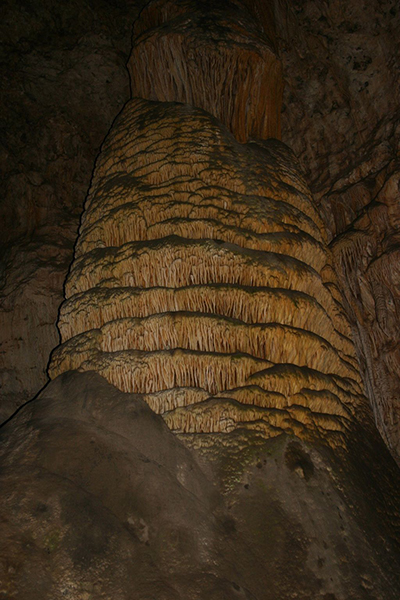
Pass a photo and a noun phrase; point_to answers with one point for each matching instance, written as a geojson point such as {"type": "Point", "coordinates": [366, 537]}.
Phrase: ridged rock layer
{"type": "Point", "coordinates": [216, 56]}
{"type": "Point", "coordinates": [201, 280]}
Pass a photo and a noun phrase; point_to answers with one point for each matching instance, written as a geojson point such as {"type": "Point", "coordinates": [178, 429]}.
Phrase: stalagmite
{"type": "Point", "coordinates": [201, 262]}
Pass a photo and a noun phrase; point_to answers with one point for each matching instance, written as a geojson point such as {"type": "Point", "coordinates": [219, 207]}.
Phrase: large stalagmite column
{"type": "Point", "coordinates": [201, 276]}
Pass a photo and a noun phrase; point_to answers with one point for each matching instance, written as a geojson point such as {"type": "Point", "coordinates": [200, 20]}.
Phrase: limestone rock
{"type": "Point", "coordinates": [367, 256]}
{"type": "Point", "coordinates": [340, 61]}
{"type": "Point", "coordinates": [199, 270]}
{"type": "Point", "coordinates": [216, 57]}
{"type": "Point", "coordinates": [204, 288]}
{"type": "Point", "coordinates": [107, 502]}
{"type": "Point", "coordinates": [30, 295]}
{"type": "Point", "coordinates": [63, 80]}
{"type": "Point", "coordinates": [341, 116]}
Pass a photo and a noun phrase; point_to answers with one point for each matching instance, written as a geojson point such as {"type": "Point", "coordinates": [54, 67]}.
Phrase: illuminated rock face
{"type": "Point", "coordinates": [201, 277]}
{"type": "Point", "coordinates": [213, 55]}
{"type": "Point", "coordinates": [201, 280]}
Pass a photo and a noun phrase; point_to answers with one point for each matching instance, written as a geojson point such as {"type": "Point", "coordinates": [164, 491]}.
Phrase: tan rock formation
{"type": "Point", "coordinates": [62, 87]}
{"type": "Point", "coordinates": [213, 56]}
{"type": "Point", "coordinates": [199, 269]}
{"type": "Point", "coordinates": [201, 263]}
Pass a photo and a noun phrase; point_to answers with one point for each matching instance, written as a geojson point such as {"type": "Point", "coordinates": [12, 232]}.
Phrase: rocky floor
{"type": "Point", "coordinates": [107, 502]}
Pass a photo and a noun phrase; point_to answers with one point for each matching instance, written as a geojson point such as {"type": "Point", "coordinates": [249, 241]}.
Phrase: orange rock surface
{"type": "Point", "coordinates": [201, 272]}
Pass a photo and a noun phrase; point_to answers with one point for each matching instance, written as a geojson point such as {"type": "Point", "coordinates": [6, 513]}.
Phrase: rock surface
{"type": "Point", "coordinates": [215, 57]}
{"type": "Point", "coordinates": [107, 502]}
{"type": "Point", "coordinates": [296, 497]}
{"type": "Point", "coordinates": [201, 279]}
{"type": "Point", "coordinates": [63, 82]}
{"type": "Point", "coordinates": [341, 117]}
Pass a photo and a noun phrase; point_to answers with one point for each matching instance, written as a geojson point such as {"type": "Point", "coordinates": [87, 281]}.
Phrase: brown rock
{"type": "Point", "coordinates": [59, 63]}
{"type": "Point", "coordinates": [216, 57]}
{"type": "Point", "coordinates": [100, 500]}
{"type": "Point", "coordinates": [341, 117]}
{"type": "Point", "coordinates": [202, 282]}
{"type": "Point", "coordinates": [367, 256]}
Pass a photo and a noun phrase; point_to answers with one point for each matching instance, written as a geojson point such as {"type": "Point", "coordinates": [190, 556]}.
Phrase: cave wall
{"type": "Point", "coordinates": [341, 117]}
{"type": "Point", "coordinates": [63, 82]}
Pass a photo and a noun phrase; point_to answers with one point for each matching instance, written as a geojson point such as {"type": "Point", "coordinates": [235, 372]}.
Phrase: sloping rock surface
{"type": "Point", "coordinates": [100, 500]}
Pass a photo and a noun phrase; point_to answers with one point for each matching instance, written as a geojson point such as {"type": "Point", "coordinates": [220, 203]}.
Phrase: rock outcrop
{"type": "Point", "coordinates": [100, 500]}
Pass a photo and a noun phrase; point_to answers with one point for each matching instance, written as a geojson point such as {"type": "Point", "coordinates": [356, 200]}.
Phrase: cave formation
{"type": "Point", "coordinates": [210, 427]}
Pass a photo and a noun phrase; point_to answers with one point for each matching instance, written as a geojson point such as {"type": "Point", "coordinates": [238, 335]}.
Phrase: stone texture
{"type": "Point", "coordinates": [341, 109]}
{"type": "Point", "coordinates": [367, 258]}
{"type": "Point", "coordinates": [294, 495]}
{"type": "Point", "coordinates": [107, 502]}
{"type": "Point", "coordinates": [341, 117]}
{"type": "Point", "coordinates": [188, 223]}
{"type": "Point", "coordinates": [213, 56]}
{"type": "Point", "coordinates": [30, 296]}
{"type": "Point", "coordinates": [204, 247]}
{"type": "Point", "coordinates": [63, 80]}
